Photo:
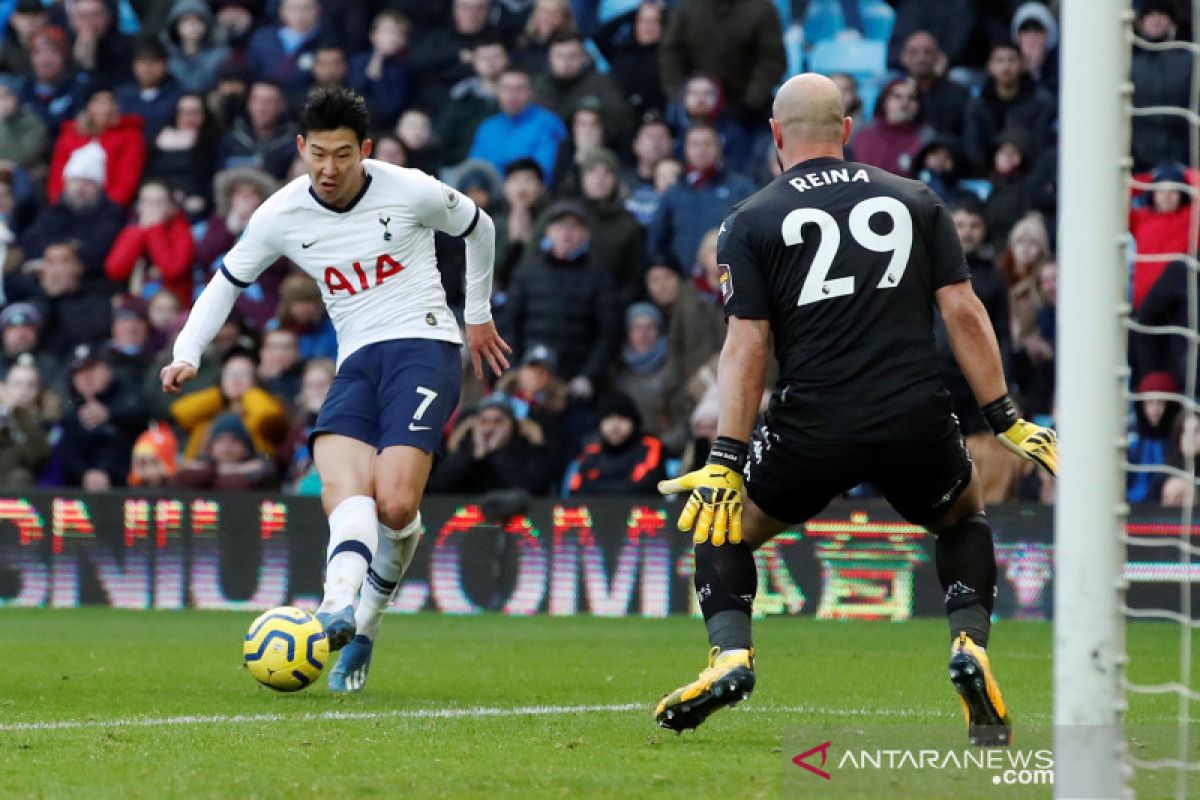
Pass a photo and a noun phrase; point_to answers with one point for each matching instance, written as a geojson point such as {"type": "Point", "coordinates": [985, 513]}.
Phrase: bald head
{"type": "Point", "coordinates": [808, 109]}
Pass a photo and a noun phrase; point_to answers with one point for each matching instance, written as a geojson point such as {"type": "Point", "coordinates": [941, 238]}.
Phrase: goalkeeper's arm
{"type": "Point", "coordinates": [978, 355]}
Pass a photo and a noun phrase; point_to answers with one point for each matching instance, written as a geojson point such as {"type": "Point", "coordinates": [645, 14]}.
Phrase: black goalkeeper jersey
{"type": "Point", "coordinates": [844, 259]}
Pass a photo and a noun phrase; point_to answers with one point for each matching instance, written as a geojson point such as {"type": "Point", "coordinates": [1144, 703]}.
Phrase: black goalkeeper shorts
{"type": "Point", "coordinates": [793, 480]}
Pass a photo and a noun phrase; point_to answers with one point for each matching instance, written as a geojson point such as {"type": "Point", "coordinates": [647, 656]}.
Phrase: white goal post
{"type": "Point", "coordinates": [1089, 648]}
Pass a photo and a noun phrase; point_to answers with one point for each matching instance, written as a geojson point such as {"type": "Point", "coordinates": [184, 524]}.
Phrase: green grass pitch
{"type": "Point", "coordinates": [157, 705]}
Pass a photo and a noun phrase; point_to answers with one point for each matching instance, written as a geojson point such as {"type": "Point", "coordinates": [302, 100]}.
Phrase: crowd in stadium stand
{"type": "Point", "coordinates": [607, 138]}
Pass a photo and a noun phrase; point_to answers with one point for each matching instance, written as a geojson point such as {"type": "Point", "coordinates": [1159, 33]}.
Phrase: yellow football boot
{"type": "Point", "coordinates": [728, 680]}
{"type": "Point", "coordinates": [988, 724]}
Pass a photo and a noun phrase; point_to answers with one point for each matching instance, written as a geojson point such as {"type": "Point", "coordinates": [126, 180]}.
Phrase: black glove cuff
{"type": "Point", "coordinates": [1000, 414]}
{"type": "Point", "coordinates": [728, 452]}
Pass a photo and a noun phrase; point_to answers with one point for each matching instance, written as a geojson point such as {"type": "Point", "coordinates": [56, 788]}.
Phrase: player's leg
{"type": "Point", "coordinates": [726, 578]}
{"type": "Point", "coordinates": [936, 486]}
{"type": "Point", "coordinates": [347, 467]}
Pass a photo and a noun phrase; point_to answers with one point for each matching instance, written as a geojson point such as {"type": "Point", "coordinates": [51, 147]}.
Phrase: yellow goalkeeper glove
{"type": "Point", "coordinates": [716, 500]}
{"type": "Point", "coordinates": [1029, 441]}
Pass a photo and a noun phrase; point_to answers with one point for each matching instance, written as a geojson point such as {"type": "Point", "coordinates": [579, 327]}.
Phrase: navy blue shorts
{"type": "Point", "coordinates": [400, 391]}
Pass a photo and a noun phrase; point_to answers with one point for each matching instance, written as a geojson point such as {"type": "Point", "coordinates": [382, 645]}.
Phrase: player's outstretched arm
{"type": "Point", "coordinates": [978, 355]}
{"type": "Point", "coordinates": [714, 509]}
{"type": "Point", "coordinates": [206, 318]}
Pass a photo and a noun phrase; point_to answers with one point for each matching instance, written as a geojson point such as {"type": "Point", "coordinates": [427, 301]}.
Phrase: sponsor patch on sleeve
{"type": "Point", "coordinates": [452, 198]}
{"type": "Point", "coordinates": [725, 283]}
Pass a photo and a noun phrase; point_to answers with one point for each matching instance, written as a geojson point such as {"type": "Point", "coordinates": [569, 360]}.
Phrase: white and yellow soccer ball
{"type": "Point", "coordinates": [286, 649]}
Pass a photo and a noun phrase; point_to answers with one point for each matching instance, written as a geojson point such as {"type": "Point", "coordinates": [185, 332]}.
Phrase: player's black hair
{"type": "Point", "coordinates": [328, 108]}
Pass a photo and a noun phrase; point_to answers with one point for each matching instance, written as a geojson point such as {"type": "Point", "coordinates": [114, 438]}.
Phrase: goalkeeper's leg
{"type": "Point", "coordinates": [726, 581]}
{"type": "Point", "coordinates": [966, 566]}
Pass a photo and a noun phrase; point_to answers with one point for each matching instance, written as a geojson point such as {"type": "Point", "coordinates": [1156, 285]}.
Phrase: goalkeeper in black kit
{"type": "Point", "coordinates": [844, 264]}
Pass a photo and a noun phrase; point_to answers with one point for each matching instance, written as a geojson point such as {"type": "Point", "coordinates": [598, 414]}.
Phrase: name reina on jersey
{"type": "Point", "coordinates": [374, 260]}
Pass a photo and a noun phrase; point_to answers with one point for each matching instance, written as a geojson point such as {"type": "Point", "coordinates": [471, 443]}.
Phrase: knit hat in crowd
{"type": "Point", "coordinates": [601, 155]}
{"type": "Point", "coordinates": [1158, 382]}
{"type": "Point", "coordinates": [156, 442]}
{"type": "Point", "coordinates": [230, 424]}
{"type": "Point", "coordinates": [89, 162]}
{"type": "Point", "coordinates": [644, 310]}
{"type": "Point", "coordinates": [20, 314]}
{"type": "Point", "coordinates": [619, 404]}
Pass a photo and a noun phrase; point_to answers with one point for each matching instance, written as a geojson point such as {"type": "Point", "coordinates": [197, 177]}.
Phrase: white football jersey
{"type": "Point", "coordinates": [374, 260]}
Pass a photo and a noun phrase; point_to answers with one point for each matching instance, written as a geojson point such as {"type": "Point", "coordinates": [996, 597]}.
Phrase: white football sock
{"type": "Point", "coordinates": [395, 553]}
{"type": "Point", "coordinates": [353, 538]}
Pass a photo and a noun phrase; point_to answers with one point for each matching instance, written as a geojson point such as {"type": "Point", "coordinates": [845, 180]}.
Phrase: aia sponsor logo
{"type": "Point", "coordinates": [358, 278]}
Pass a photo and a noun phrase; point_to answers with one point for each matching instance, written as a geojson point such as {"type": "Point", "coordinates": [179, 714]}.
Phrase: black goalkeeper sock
{"type": "Point", "coordinates": [966, 567]}
{"type": "Point", "coordinates": [726, 582]}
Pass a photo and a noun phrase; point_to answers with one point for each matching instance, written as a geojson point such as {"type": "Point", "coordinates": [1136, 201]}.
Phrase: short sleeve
{"type": "Point", "coordinates": [256, 249]}
{"type": "Point", "coordinates": [742, 283]}
{"type": "Point", "coordinates": [442, 207]}
{"type": "Point", "coordinates": [949, 264]}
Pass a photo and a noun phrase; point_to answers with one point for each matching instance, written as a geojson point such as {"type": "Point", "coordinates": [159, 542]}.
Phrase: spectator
{"type": "Point", "coordinates": [950, 22]}
{"type": "Point", "coordinates": [700, 200]}
{"type": "Point", "coordinates": [1185, 448]}
{"type": "Point", "coordinates": [1008, 100]}
{"type": "Point", "coordinates": [1161, 77]}
{"type": "Point", "coordinates": [415, 132]}
{"type": "Point", "coordinates": [162, 311]}
{"type": "Point", "coordinates": [896, 134]}
{"type": "Point", "coordinates": [229, 461]}
{"type": "Point", "coordinates": [295, 456]}
{"type": "Point", "coordinates": [537, 394]}
{"type": "Point", "coordinates": [563, 302]}
{"type": "Point", "coordinates": [442, 57]}
{"type": "Point", "coordinates": [852, 104]}
{"type": "Point", "coordinates": [235, 25]}
{"type": "Point", "coordinates": [617, 243]}
{"type": "Point", "coordinates": [703, 102]}
{"type": "Point", "coordinates": [938, 165]}
{"type": "Point", "coordinates": [621, 460]}
{"type": "Point", "coordinates": [587, 136]}
{"type": "Point", "coordinates": [127, 350]}
{"type": "Point", "coordinates": [520, 129]}
{"type": "Point", "coordinates": [651, 144]}
{"type": "Point", "coordinates": [99, 48]}
{"type": "Point", "coordinates": [238, 192]}
{"type": "Point", "coordinates": [155, 250]}
{"type": "Point", "coordinates": [153, 93]}
{"type": "Point", "coordinates": [547, 19]}
{"type": "Point", "coordinates": [747, 57]}
{"type": "Point", "coordinates": [280, 369]}
{"type": "Point", "coordinates": [53, 89]}
{"type": "Point", "coordinates": [1161, 224]}
{"type": "Point", "coordinates": [302, 312]}
{"type": "Point", "coordinates": [524, 193]}
{"type": "Point", "coordinates": [1028, 248]}
{"type": "Point", "coordinates": [330, 67]}
{"type": "Point", "coordinates": [491, 450]}
{"type": "Point", "coordinates": [643, 372]}
{"type": "Point", "coordinates": [381, 74]}
{"type": "Point", "coordinates": [27, 18]}
{"type": "Point", "coordinates": [1009, 198]}
{"type": "Point", "coordinates": [262, 413]}
{"type": "Point", "coordinates": [1033, 364]}
{"type": "Point", "coordinates": [630, 43]}
{"type": "Point", "coordinates": [1165, 304]}
{"type": "Point", "coordinates": [82, 215]}
{"type": "Point", "coordinates": [102, 124]}
{"type": "Point", "coordinates": [228, 101]}
{"type": "Point", "coordinates": [388, 149]}
{"type": "Point", "coordinates": [20, 334]}
{"type": "Point", "coordinates": [99, 428]}
{"type": "Point", "coordinates": [71, 313]}
{"type": "Point", "coordinates": [264, 138]}
{"type": "Point", "coordinates": [1155, 422]}
{"type": "Point", "coordinates": [1035, 31]}
{"type": "Point", "coordinates": [184, 153]}
{"type": "Point", "coordinates": [943, 102]}
{"type": "Point", "coordinates": [472, 100]}
{"type": "Point", "coordinates": [572, 79]}
{"type": "Point", "coordinates": [22, 131]}
{"type": "Point", "coordinates": [154, 461]}
{"type": "Point", "coordinates": [193, 55]}
{"type": "Point", "coordinates": [284, 53]}
{"type": "Point", "coordinates": [24, 446]}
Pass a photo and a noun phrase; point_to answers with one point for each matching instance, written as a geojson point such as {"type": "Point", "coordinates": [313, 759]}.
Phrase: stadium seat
{"type": "Point", "coordinates": [823, 21]}
{"type": "Point", "coordinates": [877, 19]}
{"type": "Point", "coordinates": [861, 58]}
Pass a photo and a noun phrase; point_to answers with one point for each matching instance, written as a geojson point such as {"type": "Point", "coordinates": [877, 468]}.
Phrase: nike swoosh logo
{"type": "Point", "coordinates": [415, 428]}
{"type": "Point", "coordinates": [310, 244]}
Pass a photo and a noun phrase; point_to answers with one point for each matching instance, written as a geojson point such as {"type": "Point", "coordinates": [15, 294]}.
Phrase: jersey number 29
{"type": "Point", "coordinates": [898, 241]}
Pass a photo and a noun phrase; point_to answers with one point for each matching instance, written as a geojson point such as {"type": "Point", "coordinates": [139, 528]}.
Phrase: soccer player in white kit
{"type": "Point", "coordinates": [364, 229]}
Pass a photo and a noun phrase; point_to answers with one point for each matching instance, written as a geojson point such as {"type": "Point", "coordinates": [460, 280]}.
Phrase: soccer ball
{"type": "Point", "coordinates": [286, 649]}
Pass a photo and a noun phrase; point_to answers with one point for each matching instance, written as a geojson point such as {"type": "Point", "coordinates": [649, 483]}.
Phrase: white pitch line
{"type": "Point", "coordinates": [462, 713]}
